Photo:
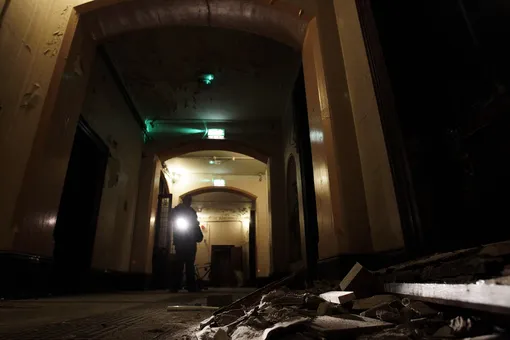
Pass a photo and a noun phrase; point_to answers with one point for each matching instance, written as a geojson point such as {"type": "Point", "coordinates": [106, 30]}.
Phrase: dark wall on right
{"type": "Point", "coordinates": [448, 63]}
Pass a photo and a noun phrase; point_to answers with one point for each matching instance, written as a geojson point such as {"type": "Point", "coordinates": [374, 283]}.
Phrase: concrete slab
{"type": "Point", "coordinates": [346, 325]}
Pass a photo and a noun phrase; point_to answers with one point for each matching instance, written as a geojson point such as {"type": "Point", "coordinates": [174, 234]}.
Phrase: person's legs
{"type": "Point", "coordinates": [176, 273]}
{"type": "Point", "coordinates": [190, 270]}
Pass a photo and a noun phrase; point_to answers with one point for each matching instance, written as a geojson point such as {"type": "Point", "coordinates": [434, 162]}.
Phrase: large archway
{"type": "Point", "coordinates": [277, 20]}
{"type": "Point", "coordinates": [196, 174]}
{"type": "Point", "coordinates": [188, 146]}
{"type": "Point", "coordinates": [228, 217]}
{"type": "Point", "coordinates": [228, 189]}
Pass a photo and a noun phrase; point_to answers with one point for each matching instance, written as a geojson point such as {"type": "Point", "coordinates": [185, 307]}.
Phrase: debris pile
{"type": "Point", "coordinates": [342, 314]}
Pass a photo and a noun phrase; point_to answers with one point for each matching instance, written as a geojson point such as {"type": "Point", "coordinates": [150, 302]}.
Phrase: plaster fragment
{"type": "Point", "coordinates": [30, 97]}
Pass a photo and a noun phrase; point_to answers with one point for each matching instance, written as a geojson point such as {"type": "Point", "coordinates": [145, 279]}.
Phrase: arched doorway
{"type": "Point", "coordinates": [244, 181]}
{"type": "Point", "coordinates": [227, 256]}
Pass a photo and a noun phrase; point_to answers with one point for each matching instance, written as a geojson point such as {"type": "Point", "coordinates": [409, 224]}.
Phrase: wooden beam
{"type": "Point", "coordinates": [483, 297]}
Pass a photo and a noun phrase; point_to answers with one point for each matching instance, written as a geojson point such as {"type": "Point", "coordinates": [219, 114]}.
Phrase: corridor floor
{"type": "Point", "coordinates": [126, 316]}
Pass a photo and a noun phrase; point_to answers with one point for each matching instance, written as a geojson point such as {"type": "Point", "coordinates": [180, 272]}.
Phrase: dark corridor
{"type": "Point", "coordinates": [75, 228]}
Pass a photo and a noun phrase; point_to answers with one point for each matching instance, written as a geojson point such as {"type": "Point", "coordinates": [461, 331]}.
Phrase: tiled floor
{"type": "Point", "coordinates": [112, 316]}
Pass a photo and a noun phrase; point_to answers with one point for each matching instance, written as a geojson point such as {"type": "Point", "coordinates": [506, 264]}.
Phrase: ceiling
{"type": "Point", "coordinates": [161, 69]}
{"type": "Point", "coordinates": [224, 163]}
{"type": "Point", "coordinates": [222, 204]}
{"type": "Point", "coordinates": [221, 196]}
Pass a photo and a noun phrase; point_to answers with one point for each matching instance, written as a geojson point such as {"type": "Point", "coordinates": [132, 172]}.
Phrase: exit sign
{"type": "Point", "coordinates": [216, 134]}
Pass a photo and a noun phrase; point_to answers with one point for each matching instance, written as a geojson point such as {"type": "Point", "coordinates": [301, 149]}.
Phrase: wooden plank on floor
{"type": "Point", "coordinates": [483, 297]}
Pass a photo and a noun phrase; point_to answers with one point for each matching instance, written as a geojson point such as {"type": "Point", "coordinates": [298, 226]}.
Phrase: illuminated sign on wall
{"type": "Point", "coordinates": [216, 134]}
{"type": "Point", "coordinates": [219, 182]}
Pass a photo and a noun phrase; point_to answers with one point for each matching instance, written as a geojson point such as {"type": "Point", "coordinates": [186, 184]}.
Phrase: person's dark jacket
{"type": "Point", "coordinates": [191, 236]}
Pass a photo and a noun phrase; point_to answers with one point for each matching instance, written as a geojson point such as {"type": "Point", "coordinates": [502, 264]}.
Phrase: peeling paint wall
{"type": "Point", "coordinates": [146, 212]}
{"type": "Point", "coordinates": [30, 38]}
{"type": "Point", "coordinates": [109, 116]}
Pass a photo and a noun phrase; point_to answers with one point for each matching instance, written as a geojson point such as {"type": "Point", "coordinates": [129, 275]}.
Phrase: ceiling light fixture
{"type": "Point", "coordinates": [207, 78]}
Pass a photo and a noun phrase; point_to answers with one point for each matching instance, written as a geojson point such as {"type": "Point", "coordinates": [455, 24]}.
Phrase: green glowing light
{"type": "Point", "coordinates": [207, 78]}
{"type": "Point", "coordinates": [178, 130]}
{"type": "Point", "coordinates": [216, 133]}
{"type": "Point", "coordinates": [149, 125]}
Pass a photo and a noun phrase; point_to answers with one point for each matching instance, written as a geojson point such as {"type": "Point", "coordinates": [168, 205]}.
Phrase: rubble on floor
{"type": "Point", "coordinates": [338, 314]}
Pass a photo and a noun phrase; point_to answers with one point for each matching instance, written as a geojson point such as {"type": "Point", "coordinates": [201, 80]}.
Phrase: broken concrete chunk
{"type": "Point", "coordinates": [421, 308]}
{"type": "Point", "coordinates": [289, 300]}
{"type": "Point", "coordinates": [360, 281]}
{"type": "Point", "coordinates": [373, 301]}
{"type": "Point", "coordinates": [461, 326]}
{"type": "Point", "coordinates": [286, 325]}
{"type": "Point", "coordinates": [313, 301]}
{"type": "Point", "coordinates": [209, 333]}
{"type": "Point", "coordinates": [402, 332]}
{"type": "Point", "coordinates": [393, 307]}
{"type": "Point", "coordinates": [227, 318]}
{"type": "Point", "coordinates": [323, 309]}
{"type": "Point", "coordinates": [221, 334]}
{"type": "Point", "coordinates": [272, 295]}
{"type": "Point", "coordinates": [328, 308]}
{"type": "Point", "coordinates": [347, 324]}
{"type": "Point", "coordinates": [245, 332]}
{"type": "Point", "coordinates": [338, 297]}
{"type": "Point", "coordinates": [206, 322]}
{"type": "Point", "coordinates": [389, 316]}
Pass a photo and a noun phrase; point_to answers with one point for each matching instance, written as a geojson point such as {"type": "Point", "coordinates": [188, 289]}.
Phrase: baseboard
{"type": "Point", "coordinates": [24, 275]}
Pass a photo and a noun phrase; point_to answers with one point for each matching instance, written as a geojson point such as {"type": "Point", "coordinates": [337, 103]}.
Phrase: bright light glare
{"type": "Point", "coordinates": [216, 134]}
{"type": "Point", "coordinates": [181, 224]}
{"type": "Point", "coordinates": [219, 182]}
{"type": "Point", "coordinates": [246, 223]}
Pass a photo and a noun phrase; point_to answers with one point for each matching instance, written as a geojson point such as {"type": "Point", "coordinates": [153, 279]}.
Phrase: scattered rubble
{"type": "Point", "coordinates": [328, 311]}
{"type": "Point", "coordinates": [338, 296]}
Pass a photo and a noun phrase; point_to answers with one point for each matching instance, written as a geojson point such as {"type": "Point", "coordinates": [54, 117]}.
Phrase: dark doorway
{"type": "Point", "coordinates": [223, 261]}
{"type": "Point", "coordinates": [307, 180]}
{"type": "Point", "coordinates": [447, 64]}
{"type": "Point", "coordinates": [75, 228]}
{"type": "Point", "coordinates": [161, 262]}
{"type": "Point", "coordinates": [252, 257]}
{"type": "Point", "coordinates": [293, 227]}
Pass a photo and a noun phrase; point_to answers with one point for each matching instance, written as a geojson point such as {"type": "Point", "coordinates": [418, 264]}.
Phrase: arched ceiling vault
{"type": "Point", "coordinates": [161, 48]}
{"type": "Point", "coordinates": [278, 20]}
{"type": "Point", "coordinates": [227, 189]}
{"type": "Point", "coordinates": [211, 144]}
